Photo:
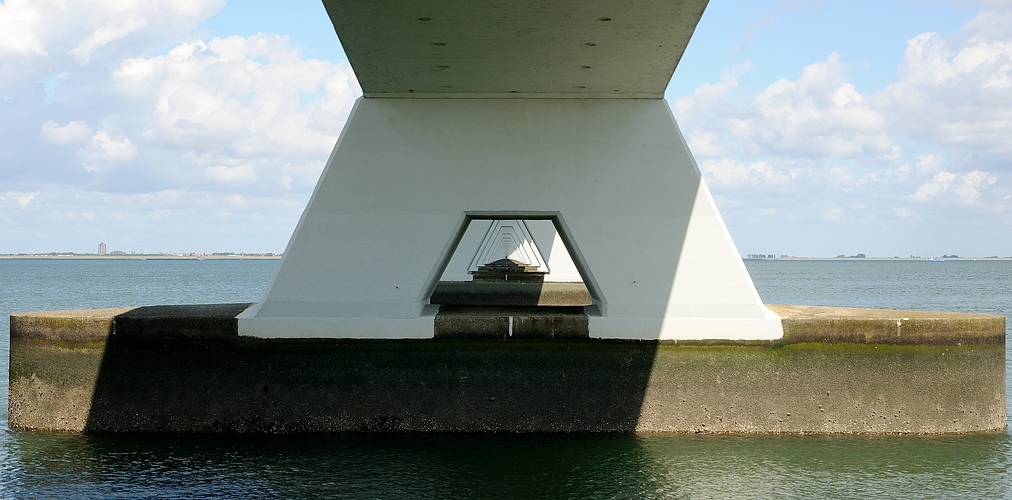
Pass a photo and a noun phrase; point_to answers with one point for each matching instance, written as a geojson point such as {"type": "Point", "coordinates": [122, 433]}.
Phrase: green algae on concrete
{"type": "Point", "coordinates": [52, 383]}
{"type": "Point", "coordinates": [155, 380]}
{"type": "Point", "coordinates": [886, 326]}
{"type": "Point", "coordinates": [826, 388]}
{"type": "Point", "coordinates": [88, 325]}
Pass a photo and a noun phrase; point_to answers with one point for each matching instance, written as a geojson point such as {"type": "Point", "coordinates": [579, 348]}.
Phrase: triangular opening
{"type": "Point", "coordinates": [511, 278]}
{"type": "Point", "coordinates": [531, 242]}
{"type": "Point", "coordinates": [511, 262]}
{"type": "Point", "coordinates": [512, 240]}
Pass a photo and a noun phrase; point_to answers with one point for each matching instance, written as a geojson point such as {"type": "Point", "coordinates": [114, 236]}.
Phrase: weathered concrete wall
{"type": "Point", "coordinates": [89, 325]}
{"type": "Point", "coordinates": [886, 326]}
{"type": "Point", "coordinates": [473, 293]}
{"type": "Point", "coordinates": [510, 323]}
{"type": "Point", "coordinates": [133, 384]}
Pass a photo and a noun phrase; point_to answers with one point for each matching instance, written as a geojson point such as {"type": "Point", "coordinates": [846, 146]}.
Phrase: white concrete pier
{"type": "Point", "coordinates": [474, 111]}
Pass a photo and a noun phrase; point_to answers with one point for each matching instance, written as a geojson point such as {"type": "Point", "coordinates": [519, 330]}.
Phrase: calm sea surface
{"type": "Point", "coordinates": [496, 465]}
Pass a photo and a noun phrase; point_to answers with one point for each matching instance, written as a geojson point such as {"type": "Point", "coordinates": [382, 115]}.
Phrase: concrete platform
{"type": "Point", "coordinates": [510, 323]}
{"type": "Point", "coordinates": [837, 370]}
{"type": "Point", "coordinates": [473, 293]}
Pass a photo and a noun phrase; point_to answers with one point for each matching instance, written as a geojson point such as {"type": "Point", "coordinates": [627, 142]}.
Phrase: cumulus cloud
{"type": "Point", "coordinates": [728, 172]}
{"type": "Point", "coordinates": [948, 92]}
{"type": "Point", "coordinates": [240, 95]}
{"type": "Point", "coordinates": [105, 147]}
{"type": "Point", "coordinates": [37, 28]}
{"type": "Point", "coordinates": [957, 91]}
{"type": "Point", "coordinates": [103, 35]}
{"type": "Point", "coordinates": [118, 108]}
{"type": "Point", "coordinates": [18, 198]}
{"type": "Point", "coordinates": [74, 132]}
{"type": "Point", "coordinates": [19, 36]}
{"type": "Point", "coordinates": [222, 173]}
{"type": "Point", "coordinates": [705, 97]}
{"type": "Point", "coordinates": [819, 114]}
{"type": "Point", "coordinates": [966, 187]}
{"type": "Point", "coordinates": [931, 147]}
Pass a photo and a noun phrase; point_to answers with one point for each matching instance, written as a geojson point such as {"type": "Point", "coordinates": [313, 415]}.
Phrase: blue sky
{"type": "Point", "coordinates": [821, 127]}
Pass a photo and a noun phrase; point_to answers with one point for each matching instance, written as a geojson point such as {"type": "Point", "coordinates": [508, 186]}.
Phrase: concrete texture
{"type": "Point", "coordinates": [523, 48]}
{"type": "Point", "coordinates": [476, 293]}
{"type": "Point", "coordinates": [197, 321]}
{"type": "Point", "coordinates": [510, 323]}
{"type": "Point", "coordinates": [89, 325]}
{"type": "Point", "coordinates": [165, 382]}
{"type": "Point", "coordinates": [885, 326]}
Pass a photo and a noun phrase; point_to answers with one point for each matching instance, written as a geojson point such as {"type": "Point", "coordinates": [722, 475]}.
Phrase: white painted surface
{"type": "Point", "coordinates": [616, 173]}
{"type": "Point", "coordinates": [520, 48]}
{"type": "Point", "coordinates": [560, 263]}
{"type": "Point", "coordinates": [460, 263]}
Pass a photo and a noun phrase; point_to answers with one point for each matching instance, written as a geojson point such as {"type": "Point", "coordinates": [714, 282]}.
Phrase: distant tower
{"type": "Point", "coordinates": [101, 248]}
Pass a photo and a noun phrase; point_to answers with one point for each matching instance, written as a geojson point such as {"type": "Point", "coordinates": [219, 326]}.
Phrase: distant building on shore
{"type": "Point", "coordinates": [101, 249]}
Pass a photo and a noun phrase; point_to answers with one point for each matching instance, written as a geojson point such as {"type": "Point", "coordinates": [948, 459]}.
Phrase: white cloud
{"type": "Point", "coordinates": [74, 132]}
{"type": "Point", "coordinates": [940, 183]}
{"type": "Point", "coordinates": [18, 18]}
{"type": "Point", "coordinates": [20, 198]}
{"type": "Point", "coordinates": [708, 95]}
{"type": "Point", "coordinates": [240, 96]}
{"type": "Point", "coordinates": [941, 132]}
{"type": "Point", "coordinates": [820, 114]}
{"type": "Point", "coordinates": [221, 173]}
{"type": "Point", "coordinates": [728, 172]}
{"type": "Point", "coordinates": [707, 144]}
{"type": "Point", "coordinates": [929, 163]}
{"type": "Point", "coordinates": [833, 214]}
{"type": "Point", "coordinates": [33, 28]}
{"type": "Point", "coordinates": [965, 188]}
{"type": "Point", "coordinates": [957, 91]}
{"type": "Point", "coordinates": [103, 35]}
{"type": "Point", "coordinates": [930, 149]}
{"type": "Point", "coordinates": [106, 146]}
{"type": "Point", "coordinates": [906, 213]}
{"type": "Point", "coordinates": [230, 130]}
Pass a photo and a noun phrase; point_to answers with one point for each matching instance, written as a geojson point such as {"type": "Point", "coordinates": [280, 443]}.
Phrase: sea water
{"type": "Point", "coordinates": [416, 465]}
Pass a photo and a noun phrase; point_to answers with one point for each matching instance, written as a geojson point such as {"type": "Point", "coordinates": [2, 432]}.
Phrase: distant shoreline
{"type": "Point", "coordinates": [877, 259]}
{"type": "Point", "coordinates": [135, 257]}
{"type": "Point", "coordinates": [278, 257]}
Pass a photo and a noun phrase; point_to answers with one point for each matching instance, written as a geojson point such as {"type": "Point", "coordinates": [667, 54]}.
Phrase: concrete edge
{"type": "Point", "coordinates": [800, 324]}
{"type": "Point", "coordinates": [884, 326]}
{"type": "Point", "coordinates": [175, 322]}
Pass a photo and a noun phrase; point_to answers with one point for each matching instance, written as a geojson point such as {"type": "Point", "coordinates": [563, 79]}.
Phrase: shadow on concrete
{"type": "Point", "coordinates": [183, 369]}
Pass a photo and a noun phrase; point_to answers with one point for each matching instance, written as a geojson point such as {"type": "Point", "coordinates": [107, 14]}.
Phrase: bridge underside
{"type": "Point", "coordinates": [522, 48]}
